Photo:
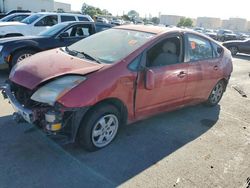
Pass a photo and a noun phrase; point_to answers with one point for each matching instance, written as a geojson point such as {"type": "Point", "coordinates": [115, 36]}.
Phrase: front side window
{"type": "Point", "coordinates": [79, 31]}
{"type": "Point", "coordinates": [199, 48]}
{"type": "Point", "coordinates": [166, 52]}
{"type": "Point", "coordinates": [67, 18]}
{"type": "Point", "coordinates": [112, 45]}
{"type": "Point", "coordinates": [48, 21]}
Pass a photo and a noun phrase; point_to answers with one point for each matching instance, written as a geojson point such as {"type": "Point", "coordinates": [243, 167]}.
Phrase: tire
{"type": "Point", "coordinates": [95, 131]}
{"type": "Point", "coordinates": [20, 55]}
{"type": "Point", "coordinates": [216, 94]}
{"type": "Point", "coordinates": [233, 50]}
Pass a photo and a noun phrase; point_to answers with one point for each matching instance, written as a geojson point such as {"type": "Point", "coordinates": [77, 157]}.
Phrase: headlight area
{"type": "Point", "coordinates": [55, 119]}
{"type": "Point", "coordinates": [55, 89]}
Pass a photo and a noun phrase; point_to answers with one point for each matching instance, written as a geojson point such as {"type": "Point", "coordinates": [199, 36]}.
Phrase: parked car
{"type": "Point", "coordinates": [225, 35]}
{"type": "Point", "coordinates": [241, 36]}
{"type": "Point", "coordinates": [37, 23]}
{"type": "Point", "coordinates": [238, 46]}
{"type": "Point", "coordinates": [210, 33]}
{"type": "Point", "coordinates": [116, 21]}
{"type": "Point", "coordinates": [124, 74]}
{"type": "Point", "coordinates": [102, 20]}
{"type": "Point", "coordinates": [15, 17]}
{"type": "Point", "coordinates": [2, 15]}
{"type": "Point", "coordinates": [16, 49]}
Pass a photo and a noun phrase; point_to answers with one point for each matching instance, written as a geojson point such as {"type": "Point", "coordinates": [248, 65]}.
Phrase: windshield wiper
{"type": "Point", "coordinates": [71, 52]}
{"type": "Point", "coordinates": [84, 55]}
{"type": "Point", "coordinates": [89, 57]}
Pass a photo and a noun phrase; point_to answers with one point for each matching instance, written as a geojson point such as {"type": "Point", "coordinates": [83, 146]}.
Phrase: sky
{"type": "Point", "coordinates": [189, 8]}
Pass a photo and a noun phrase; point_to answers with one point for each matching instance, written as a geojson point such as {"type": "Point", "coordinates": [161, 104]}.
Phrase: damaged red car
{"type": "Point", "coordinates": [88, 90]}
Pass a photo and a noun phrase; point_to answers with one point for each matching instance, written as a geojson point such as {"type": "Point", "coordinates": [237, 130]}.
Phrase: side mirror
{"type": "Point", "coordinates": [64, 35]}
{"type": "Point", "coordinates": [150, 79]}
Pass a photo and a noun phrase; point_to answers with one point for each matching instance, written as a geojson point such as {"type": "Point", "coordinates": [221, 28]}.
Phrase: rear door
{"type": "Point", "coordinates": [204, 67]}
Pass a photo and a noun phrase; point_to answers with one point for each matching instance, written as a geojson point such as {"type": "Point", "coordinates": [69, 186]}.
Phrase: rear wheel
{"type": "Point", "coordinates": [21, 55]}
{"type": "Point", "coordinates": [216, 94]}
{"type": "Point", "coordinates": [99, 128]}
{"type": "Point", "coordinates": [233, 50]}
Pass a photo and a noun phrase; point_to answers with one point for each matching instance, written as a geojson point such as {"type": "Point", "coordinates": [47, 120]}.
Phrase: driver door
{"type": "Point", "coordinates": [170, 81]}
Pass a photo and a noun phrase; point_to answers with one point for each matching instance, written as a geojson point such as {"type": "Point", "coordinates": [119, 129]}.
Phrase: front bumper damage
{"type": "Point", "coordinates": [56, 121]}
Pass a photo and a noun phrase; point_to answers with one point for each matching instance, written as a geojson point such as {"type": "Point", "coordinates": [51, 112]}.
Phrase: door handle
{"type": "Point", "coordinates": [181, 74]}
{"type": "Point", "coordinates": [216, 67]}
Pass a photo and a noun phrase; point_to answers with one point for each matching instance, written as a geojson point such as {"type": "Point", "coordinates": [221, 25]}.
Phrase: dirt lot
{"type": "Point", "coordinates": [192, 147]}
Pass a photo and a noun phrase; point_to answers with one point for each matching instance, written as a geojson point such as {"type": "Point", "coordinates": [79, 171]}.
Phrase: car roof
{"type": "Point", "coordinates": [148, 28]}
{"type": "Point", "coordinates": [76, 22]}
{"type": "Point", "coordinates": [66, 14]}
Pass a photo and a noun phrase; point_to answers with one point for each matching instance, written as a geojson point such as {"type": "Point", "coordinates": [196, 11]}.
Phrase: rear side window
{"type": "Point", "coordinates": [81, 18]}
{"type": "Point", "coordinates": [48, 21]}
{"type": "Point", "coordinates": [67, 18]}
{"type": "Point", "coordinates": [199, 48]}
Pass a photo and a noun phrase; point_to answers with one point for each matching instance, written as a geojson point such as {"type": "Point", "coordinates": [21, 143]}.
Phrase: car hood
{"type": "Point", "coordinates": [11, 23]}
{"type": "Point", "coordinates": [22, 38]}
{"type": "Point", "coordinates": [44, 66]}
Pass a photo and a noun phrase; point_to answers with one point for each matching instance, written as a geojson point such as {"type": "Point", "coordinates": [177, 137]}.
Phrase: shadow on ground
{"type": "Point", "coordinates": [36, 161]}
{"type": "Point", "coordinates": [143, 144]}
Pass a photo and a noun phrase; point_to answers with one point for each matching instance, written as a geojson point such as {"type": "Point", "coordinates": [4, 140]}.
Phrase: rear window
{"type": "Point", "coordinates": [67, 18]}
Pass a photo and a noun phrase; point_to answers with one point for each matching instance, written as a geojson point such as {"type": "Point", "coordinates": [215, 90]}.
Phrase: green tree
{"type": "Point", "coordinates": [125, 17]}
{"type": "Point", "coordinates": [89, 10]}
{"type": "Point", "coordinates": [94, 11]}
{"type": "Point", "coordinates": [132, 14]}
{"type": "Point", "coordinates": [155, 20]}
{"type": "Point", "coordinates": [185, 22]}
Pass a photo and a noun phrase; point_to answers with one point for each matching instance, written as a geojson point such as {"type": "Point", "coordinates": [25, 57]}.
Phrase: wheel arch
{"type": "Point", "coordinates": [33, 48]}
{"type": "Point", "coordinates": [117, 103]}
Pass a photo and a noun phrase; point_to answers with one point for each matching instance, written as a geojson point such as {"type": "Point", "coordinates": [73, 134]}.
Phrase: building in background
{"type": "Point", "coordinates": [170, 19]}
{"type": "Point", "coordinates": [208, 22]}
{"type": "Point", "coordinates": [34, 5]}
{"type": "Point", "coordinates": [62, 7]}
{"type": "Point", "coordinates": [235, 24]}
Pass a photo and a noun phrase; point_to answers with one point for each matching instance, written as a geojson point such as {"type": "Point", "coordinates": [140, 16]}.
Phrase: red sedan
{"type": "Point", "coordinates": [118, 76]}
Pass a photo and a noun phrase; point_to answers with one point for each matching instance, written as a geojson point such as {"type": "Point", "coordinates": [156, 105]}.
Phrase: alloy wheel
{"type": "Point", "coordinates": [22, 57]}
{"type": "Point", "coordinates": [217, 93]}
{"type": "Point", "coordinates": [105, 130]}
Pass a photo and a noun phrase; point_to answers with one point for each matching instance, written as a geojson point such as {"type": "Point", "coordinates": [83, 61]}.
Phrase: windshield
{"type": "Point", "coordinates": [7, 18]}
{"type": "Point", "coordinates": [31, 19]}
{"type": "Point", "coordinates": [53, 30]}
{"type": "Point", "coordinates": [111, 45]}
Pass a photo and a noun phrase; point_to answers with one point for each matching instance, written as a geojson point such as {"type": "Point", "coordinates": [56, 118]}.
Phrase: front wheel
{"type": "Point", "coordinates": [216, 94]}
{"type": "Point", "coordinates": [21, 55]}
{"type": "Point", "coordinates": [99, 128]}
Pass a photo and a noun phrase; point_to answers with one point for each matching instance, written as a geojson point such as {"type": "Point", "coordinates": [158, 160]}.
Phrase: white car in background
{"type": "Point", "coordinates": [38, 22]}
